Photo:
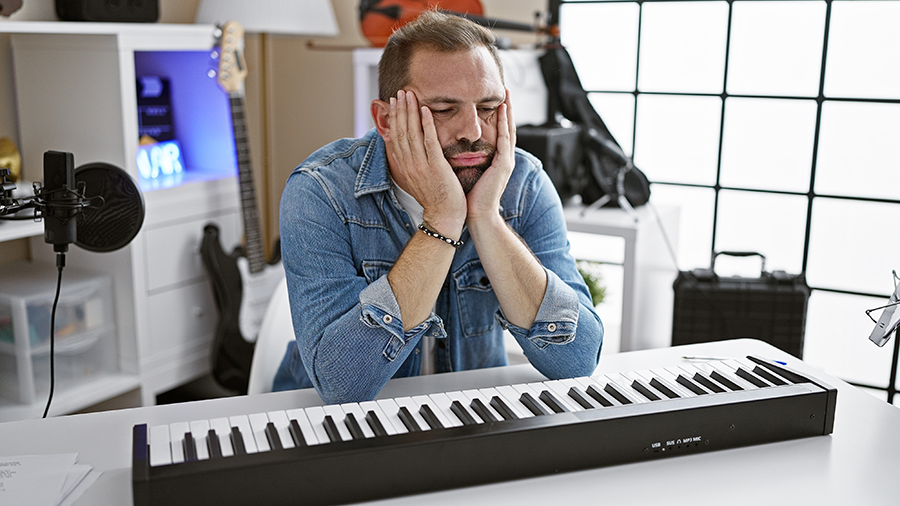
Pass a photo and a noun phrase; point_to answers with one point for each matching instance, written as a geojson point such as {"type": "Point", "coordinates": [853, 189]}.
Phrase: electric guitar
{"type": "Point", "coordinates": [243, 281]}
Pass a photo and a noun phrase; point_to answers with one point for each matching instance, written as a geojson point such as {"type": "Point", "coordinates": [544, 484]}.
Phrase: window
{"type": "Point", "coordinates": [774, 126]}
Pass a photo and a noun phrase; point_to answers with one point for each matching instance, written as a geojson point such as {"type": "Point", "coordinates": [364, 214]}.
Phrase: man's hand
{"type": "Point", "coordinates": [483, 202]}
{"type": "Point", "coordinates": [420, 160]}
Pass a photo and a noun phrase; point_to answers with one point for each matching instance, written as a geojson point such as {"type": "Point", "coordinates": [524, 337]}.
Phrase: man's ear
{"type": "Point", "coordinates": [381, 114]}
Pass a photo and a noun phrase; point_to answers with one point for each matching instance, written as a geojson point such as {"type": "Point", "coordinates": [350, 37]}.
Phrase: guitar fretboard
{"type": "Point", "coordinates": [253, 248]}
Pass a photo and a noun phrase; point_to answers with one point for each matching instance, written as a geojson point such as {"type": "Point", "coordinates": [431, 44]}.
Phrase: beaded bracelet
{"type": "Point", "coordinates": [432, 233]}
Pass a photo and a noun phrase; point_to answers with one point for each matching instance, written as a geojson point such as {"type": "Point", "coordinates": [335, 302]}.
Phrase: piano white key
{"type": "Point", "coordinates": [337, 414]}
{"type": "Point", "coordinates": [242, 422]}
{"type": "Point", "coordinates": [223, 431]}
{"type": "Point", "coordinates": [160, 446]}
{"type": "Point", "coordinates": [258, 422]}
{"type": "Point", "coordinates": [391, 410]}
{"type": "Point", "coordinates": [306, 428]}
{"type": "Point", "coordinates": [728, 368]}
{"type": "Point", "coordinates": [624, 387]}
{"type": "Point", "coordinates": [360, 416]}
{"type": "Point", "coordinates": [668, 380]}
{"type": "Point", "coordinates": [381, 415]}
{"type": "Point", "coordinates": [522, 388]}
{"type": "Point", "coordinates": [177, 431]}
{"type": "Point", "coordinates": [440, 404]}
{"type": "Point", "coordinates": [486, 400]}
{"type": "Point", "coordinates": [282, 425]}
{"type": "Point", "coordinates": [413, 408]}
{"type": "Point", "coordinates": [579, 384]}
{"type": "Point", "coordinates": [561, 392]}
{"type": "Point", "coordinates": [587, 382]}
{"type": "Point", "coordinates": [316, 415]}
{"type": "Point", "coordinates": [749, 365]}
{"type": "Point", "coordinates": [671, 374]}
{"type": "Point", "coordinates": [464, 401]}
{"type": "Point", "coordinates": [632, 377]}
{"type": "Point", "coordinates": [200, 431]}
{"type": "Point", "coordinates": [511, 397]}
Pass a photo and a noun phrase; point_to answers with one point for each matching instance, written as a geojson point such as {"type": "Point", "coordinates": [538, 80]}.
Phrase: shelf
{"type": "Point", "coordinates": [11, 230]}
{"type": "Point", "coordinates": [68, 400]}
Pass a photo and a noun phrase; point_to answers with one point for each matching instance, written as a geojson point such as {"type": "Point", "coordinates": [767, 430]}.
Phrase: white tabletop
{"type": "Point", "coordinates": [855, 465]}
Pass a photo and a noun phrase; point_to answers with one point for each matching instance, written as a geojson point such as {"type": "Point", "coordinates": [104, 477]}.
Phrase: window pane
{"type": "Point", "coordinates": [858, 150]}
{"type": "Point", "coordinates": [617, 112]}
{"type": "Point", "coordinates": [678, 138]}
{"type": "Point", "coordinates": [776, 48]}
{"type": "Point", "coordinates": [693, 239]}
{"type": "Point", "coordinates": [853, 245]}
{"type": "Point", "coordinates": [768, 143]}
{"type": "Point", "coordinates": [863, 50]}
{"type": "Point", "coordinates": [602, 40]}
{"type": "Point", "coordinates": [774, 225]}
{"type": "Point", "coordinates": [683, 47]}
{"type": "Point", "coordinates": [837, 328]}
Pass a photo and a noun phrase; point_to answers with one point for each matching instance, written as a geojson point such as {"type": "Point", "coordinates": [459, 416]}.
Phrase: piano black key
{"type": "Point", "coordinates": [551, 401]}
{"type": "Point", "coordinates": [296, 433]}
{"type": "Point", "coordinates": [659, 385]}
{"type": "Point", "coordinates": [643, 390]}
{"type": "Point", "coordinates": [703, 380]}
{"type": "Point", "coordinates": [212, 441]}
{"type": "Point", "coordinates": [690, 385]}
{"type": "Point", "coordinates": [505, 411]}
{"type": "Point", "coordinates": [408, 420]}
{"type": "Point", "coordinates": [533, 405]}
{"type": "Point", "coordinates": [331, 429]}
{"type": "Point", "coordinates": [578, 397]}
{"type": "Point", "coordinates": [599, 397]}
{"type": "Point", "coordinates": [460, 411]}
{"type": "Point", "coordinates": [716, 375]}
{"type": "Point", "coordinates": [353, 426]}
{"type": "Point", "coordinates": [616, 394]}
{"type": "Point", "coordinates": [375, 424]}
{"type": "Point", "coordinates": [272, 437]}
{"type": "Point", "coordinates": [482, 410]}
{"type": "Point", "coordinates": [190, 449]}
{"type": "Point", "coordinates": [771, 378]}
{"type": "Point", "coordinates": [430, 418]}
{"type": "Point", "coordinates": [237, 442]}
{"type": "Point", "coordinates": [743, 373]}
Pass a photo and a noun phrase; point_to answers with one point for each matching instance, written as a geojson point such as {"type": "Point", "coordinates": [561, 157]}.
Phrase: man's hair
{"type": "Point", "coordinates": [435, 31]}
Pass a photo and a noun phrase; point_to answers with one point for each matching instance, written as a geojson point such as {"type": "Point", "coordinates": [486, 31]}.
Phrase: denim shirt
{"type": "Point", "coordinates": [341, 231]}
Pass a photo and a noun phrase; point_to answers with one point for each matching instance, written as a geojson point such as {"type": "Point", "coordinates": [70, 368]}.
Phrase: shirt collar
{"type": "Point", "coordinates": [373, 173]}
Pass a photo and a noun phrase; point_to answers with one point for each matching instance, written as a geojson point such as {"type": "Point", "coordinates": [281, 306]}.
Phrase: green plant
{"type": "Point", "coordinates": [590, 272]}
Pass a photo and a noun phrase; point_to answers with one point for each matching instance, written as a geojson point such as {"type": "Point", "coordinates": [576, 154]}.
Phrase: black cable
{"type": "Point", "coordinates": [60, 263]}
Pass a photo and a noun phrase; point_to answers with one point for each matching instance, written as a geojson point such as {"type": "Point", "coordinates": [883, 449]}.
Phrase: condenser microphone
{"type": "Point", "coordinates": [58, 200]}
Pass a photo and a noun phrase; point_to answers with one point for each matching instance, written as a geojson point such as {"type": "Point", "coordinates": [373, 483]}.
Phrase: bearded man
{"type": "Point", "coordinates": [410, 250]}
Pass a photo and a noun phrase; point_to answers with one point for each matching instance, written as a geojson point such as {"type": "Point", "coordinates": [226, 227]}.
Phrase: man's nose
{"type": "Point", "coordinates": [469, 126]}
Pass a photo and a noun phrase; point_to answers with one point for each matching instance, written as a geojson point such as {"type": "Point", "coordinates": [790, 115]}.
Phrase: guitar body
{"type": "Point", "coordinates": [241, 299]}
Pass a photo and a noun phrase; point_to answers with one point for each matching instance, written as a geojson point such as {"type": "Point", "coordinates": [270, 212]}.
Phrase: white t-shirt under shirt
{"type": "Point", "coordinates": [415, 211]}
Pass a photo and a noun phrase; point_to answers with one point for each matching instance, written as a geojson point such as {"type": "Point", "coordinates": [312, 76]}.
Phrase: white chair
{"type": "Point", "coordinates": [276, 331]}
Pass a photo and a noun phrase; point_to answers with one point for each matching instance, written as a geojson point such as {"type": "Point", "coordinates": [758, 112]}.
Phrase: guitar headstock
{"type": "Point", "coordinates": [232, 67]}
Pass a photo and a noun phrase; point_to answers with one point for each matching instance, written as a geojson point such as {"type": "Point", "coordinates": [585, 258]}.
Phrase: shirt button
{"type": "Point", "coordinates": [551, 327]}
{"type": "Point", "coordinates": [387, 319]}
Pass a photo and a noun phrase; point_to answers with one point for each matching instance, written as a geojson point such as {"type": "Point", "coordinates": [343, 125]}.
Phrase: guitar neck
{"type": "Point", "coordinates": [253, 247]}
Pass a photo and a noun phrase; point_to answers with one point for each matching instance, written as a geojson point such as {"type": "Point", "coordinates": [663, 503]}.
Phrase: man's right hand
{"type": "Point", "coordinates": [420, 160]}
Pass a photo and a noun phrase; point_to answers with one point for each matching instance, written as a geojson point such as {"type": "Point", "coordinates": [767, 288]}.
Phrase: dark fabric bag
{"type": "Point", "coordinates": [607, 173]}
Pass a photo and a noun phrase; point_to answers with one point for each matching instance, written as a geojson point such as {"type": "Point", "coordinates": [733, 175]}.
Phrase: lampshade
{"type": "Point", "coordinates": [297, 17]}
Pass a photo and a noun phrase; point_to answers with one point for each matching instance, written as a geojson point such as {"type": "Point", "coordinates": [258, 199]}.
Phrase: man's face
{"type": "Point", "coordinates": [464, 91]}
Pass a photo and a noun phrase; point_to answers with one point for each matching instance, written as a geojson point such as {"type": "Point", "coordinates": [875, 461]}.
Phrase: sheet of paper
{"type": "Point", "coordinates": [43, 480]}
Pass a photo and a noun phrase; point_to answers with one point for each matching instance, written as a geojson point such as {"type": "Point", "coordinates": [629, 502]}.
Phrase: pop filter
{"type": "Point", "coordinates": [113, 224]}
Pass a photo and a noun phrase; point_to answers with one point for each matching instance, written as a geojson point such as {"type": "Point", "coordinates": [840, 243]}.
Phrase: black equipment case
{"type": "Point", "coordinates": [771, 308]}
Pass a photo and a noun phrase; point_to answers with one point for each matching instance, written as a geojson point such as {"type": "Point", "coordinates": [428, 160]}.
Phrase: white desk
{"type": "Point", "coordinates": [855, 465]}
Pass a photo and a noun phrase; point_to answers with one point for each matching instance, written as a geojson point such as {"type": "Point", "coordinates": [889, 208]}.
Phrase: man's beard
{"type": "Point", "coordinates": [470, 174]}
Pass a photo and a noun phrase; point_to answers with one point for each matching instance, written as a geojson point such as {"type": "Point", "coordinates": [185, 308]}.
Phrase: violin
{"type": "Point", "coordinates": [379, 18]}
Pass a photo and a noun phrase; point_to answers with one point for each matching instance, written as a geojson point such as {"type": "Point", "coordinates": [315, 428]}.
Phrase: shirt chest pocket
{"type": "Point", "coordinates": [374, 269]}
{"type": "Point", "coordinates": [476, 299]}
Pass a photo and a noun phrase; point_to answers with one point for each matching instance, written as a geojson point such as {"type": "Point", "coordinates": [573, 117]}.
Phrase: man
{"type": "Point", "coordinates": [408, 251]}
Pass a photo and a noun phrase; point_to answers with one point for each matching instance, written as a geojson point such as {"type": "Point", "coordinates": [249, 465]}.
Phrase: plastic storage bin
{"type": "Point", "coordinates": [85, 346]}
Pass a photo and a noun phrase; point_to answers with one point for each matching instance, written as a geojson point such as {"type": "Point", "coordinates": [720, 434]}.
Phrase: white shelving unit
{"type": "Point", "coordinates": [76, 91]}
